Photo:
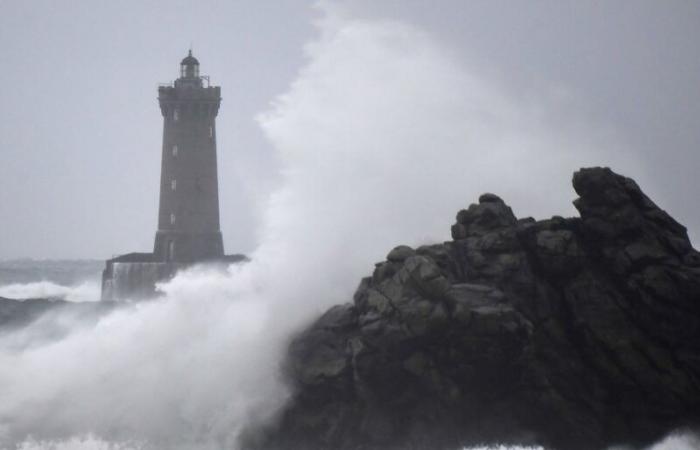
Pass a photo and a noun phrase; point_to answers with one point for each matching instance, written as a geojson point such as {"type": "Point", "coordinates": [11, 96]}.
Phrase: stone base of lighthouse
{"type": "Point", "coordinates": [134, 276]}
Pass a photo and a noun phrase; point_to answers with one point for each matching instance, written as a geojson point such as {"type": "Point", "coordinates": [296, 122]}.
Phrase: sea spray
{"type": "Point", "coordinates": [382, 136]}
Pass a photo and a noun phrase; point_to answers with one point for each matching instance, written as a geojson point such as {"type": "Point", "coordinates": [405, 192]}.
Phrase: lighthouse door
{"type": "Point", "coordinates": [171, 250]}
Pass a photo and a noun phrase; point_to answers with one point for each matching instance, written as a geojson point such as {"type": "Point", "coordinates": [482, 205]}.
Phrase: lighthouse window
{"type": "Point", "coordinates": [172, 218]}
{"type": "Point", "coordinates": [173, 184]}
{"type": "Point", "coordinates": [211, 131]}
{"type": "Point", "coordinates": [174, 150]}
{"type": "Point", "coordinates": [175, 115]}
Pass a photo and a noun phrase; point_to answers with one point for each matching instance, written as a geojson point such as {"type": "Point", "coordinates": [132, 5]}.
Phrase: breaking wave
{"type": "Point", "coordinates": [88, 291]}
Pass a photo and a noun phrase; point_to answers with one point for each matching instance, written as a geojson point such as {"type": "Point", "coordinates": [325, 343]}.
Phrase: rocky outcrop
{"type": "Point", "coordinates": [569, 333]}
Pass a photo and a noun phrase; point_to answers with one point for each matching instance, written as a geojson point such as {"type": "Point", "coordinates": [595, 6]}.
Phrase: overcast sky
{"type": "Point", "coordinates": [80, 127]}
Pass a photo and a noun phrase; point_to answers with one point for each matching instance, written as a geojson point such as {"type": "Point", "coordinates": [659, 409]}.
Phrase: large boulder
{"type": "Point", "coordinates": [573, 333]}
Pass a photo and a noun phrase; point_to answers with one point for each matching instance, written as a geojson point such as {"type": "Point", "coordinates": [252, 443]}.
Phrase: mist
{"type": "Point", "coordinates": [382, 136]}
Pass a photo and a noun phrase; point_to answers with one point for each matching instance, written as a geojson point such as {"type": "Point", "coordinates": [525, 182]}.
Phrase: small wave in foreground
{"type": "Point", "coordinates": [88, 291]}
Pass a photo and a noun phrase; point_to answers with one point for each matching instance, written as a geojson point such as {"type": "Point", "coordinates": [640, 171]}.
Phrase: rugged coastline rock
{"type": "Point", "coordinates": [570, 333]}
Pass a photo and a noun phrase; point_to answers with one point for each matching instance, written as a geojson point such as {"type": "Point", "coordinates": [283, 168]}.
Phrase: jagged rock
{"type": "Point", "coordinates": [400, 253]}
{"type": "Point", "coordinates": [569, 333]}
{"type": "Point", "coordinates": [491, 213]}
{"type": "Point", "coordinates": [489, 198]}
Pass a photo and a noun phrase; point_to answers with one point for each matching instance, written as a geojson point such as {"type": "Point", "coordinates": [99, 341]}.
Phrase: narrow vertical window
{"type": "Point", "coordinates": [171, 250]}
{"type": "Point", "coordinates": [172, 218]}
{"type": "Point", "coordinates": [174, 150]}
{"type": "Point", "coordinates": [173, 184]}
{"type": "Point", "coordinates": [176, 115]}
{"type": "Point", "coordinates": [211, 131]}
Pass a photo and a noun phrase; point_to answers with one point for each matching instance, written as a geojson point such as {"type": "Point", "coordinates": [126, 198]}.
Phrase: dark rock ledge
{"type": "Point", "coordinates": [571, 333]}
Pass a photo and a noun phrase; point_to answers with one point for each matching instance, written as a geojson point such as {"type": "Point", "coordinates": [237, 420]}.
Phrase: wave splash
{"type": "Point", "coordinates": [383, 136]}
{"type": "Point", "coordinates": [88, 291]}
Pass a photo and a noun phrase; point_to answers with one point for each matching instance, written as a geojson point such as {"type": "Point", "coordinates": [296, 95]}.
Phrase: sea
{"type": "Point", "coordinates": [76, 280]}
{"type": "Point", "coordinates": [79, 281]}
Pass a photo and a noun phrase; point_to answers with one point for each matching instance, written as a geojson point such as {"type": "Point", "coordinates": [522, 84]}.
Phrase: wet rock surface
{"type": "Point", "coordinates": [571, 333]}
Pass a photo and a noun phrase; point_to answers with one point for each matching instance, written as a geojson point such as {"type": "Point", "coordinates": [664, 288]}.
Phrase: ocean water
{"type": "Point", "coordinates": [79, 280]}
{"type": "Point", "coordinates": [675, 441]}
{"type": "Point", "coordinates": [71, 280]}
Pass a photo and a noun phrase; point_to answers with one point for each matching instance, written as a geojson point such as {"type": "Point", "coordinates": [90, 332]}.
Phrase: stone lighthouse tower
{"type": "Point", "coordinates": [188, 216]}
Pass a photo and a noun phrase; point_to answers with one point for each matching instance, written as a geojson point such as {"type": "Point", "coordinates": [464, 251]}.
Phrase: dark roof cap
{"type": "Point", "coordinates": [189, 60]}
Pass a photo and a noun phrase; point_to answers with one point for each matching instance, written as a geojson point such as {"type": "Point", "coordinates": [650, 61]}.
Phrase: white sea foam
{"type": "Point", "coordinates": [675, 441]}
{"type": "Point", "coordinates": [680, 440]}
{"type": "Point", "coordinates": [503, 447]}
{"type": "Point", "coordinates": [88, 442]}
{"type": "Point", "coordinates": [88, 291]}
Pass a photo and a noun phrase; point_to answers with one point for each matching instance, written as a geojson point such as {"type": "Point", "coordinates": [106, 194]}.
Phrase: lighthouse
{"type": "Point", "coordinates": [188, 212]}
{"type": "Point", "coordinates": [188, 215]}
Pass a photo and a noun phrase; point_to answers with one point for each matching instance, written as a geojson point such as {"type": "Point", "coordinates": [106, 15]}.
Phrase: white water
{"type": "Point", "coordinates": [87, 291]}
{"type": "Point", "coordinates": [383, 136]}
{"type": "Point", "coordinates": [674, 441]}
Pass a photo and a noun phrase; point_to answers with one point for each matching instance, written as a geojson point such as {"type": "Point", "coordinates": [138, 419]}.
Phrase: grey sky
{"type": "Point", "coordinates": [80, 127]}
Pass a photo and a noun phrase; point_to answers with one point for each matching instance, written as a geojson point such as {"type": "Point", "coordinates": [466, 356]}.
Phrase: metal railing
{"type": "Point", "coordinates": [172, 83]}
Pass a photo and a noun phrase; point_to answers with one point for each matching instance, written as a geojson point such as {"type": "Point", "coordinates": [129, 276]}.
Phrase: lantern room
{"type": "Point", "coordinates": [189, 67]}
